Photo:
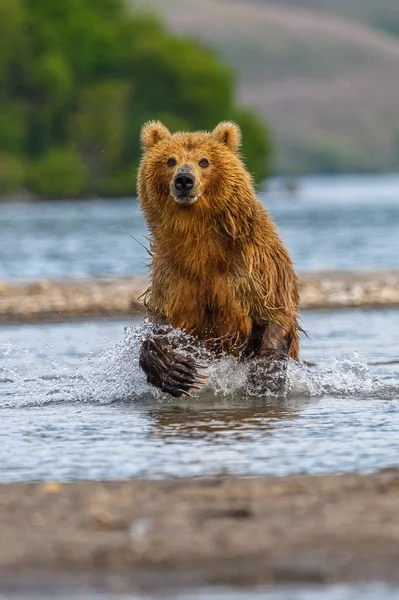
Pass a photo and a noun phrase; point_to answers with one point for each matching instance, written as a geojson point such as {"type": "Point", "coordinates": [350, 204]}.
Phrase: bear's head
{"type": "Point", "coordinates": [190, 171]}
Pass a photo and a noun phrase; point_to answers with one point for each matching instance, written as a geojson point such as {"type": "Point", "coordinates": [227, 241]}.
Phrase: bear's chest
{"type": "Point", "coordinates": [209, 308]}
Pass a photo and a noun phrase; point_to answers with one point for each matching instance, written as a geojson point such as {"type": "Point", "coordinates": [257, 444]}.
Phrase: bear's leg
{"type": "Point", "coordinates": [269, 347]}
{"type": "Point", "coordinates": [167, 369]}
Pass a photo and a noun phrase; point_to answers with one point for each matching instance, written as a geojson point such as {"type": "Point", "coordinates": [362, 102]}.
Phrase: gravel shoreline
{"type": "Point", "coordinates": [46, 301]}
{"type": "Point", "coordinates": [316, 529]}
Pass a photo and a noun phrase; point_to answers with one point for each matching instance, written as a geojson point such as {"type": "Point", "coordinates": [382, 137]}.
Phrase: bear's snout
{"type": "Point", "coordinates": [184, 183]}
{"type": "Point", "coordinates": [185, 187]}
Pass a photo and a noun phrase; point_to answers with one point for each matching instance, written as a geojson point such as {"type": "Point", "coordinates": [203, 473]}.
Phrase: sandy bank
{"type": "Point", "coordinates": [93, 298]}
{"type": "Point", "coordinates": [232, 530]}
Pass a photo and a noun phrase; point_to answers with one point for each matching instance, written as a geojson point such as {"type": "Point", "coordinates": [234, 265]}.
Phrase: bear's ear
{"type": "Point", "coordinates": [229, 134]}
{"type": "Point", "coordinates": [152, 133]}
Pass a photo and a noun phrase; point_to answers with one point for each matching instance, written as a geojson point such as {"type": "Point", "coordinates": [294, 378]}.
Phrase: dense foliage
{"type": "Point", "coordinates": [77, 80]}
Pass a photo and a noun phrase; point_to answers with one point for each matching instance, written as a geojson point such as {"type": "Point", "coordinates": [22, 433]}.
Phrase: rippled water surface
{"type": "Point", "coordinates": [74, 405]}
{"type": "Point", "coordinates": [342, 223]}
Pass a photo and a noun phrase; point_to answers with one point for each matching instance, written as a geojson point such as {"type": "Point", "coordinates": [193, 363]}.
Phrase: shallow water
{"type": "Point", "coordinates": [329, 592]}
{"type": "Point", "coordinates": [334, 223]}
{"type": "Point", "coordinates": [74, 405]}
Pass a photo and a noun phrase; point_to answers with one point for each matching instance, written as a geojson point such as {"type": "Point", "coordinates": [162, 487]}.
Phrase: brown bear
{"type": "Point", "coordinates": [219, 269]}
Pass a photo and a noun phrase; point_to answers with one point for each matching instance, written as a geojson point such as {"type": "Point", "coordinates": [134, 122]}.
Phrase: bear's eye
{"type": "Point", "coordinates": [204, 163]}
{"type": "Point", "coordinates": [171, 162]}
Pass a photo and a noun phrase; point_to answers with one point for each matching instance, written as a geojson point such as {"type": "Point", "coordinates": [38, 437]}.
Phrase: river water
{"type": "Point", "coordinates": [74, 405]}
{"type": "Point", "coordinates": [343, 223]}
{"type": "Point", "coordinates": [330, 592]}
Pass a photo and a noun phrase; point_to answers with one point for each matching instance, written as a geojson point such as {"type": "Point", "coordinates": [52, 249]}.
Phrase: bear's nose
{"type": "Point", "coordinates": [184, 182]}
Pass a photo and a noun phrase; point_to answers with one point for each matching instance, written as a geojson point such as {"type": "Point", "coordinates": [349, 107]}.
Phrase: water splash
{"type": "Point", "coordinates": [11, 381]}
{"type": "Point", "coordinates": [345, 376]}
{"type": "Point", "coordinates": [117, 377]}
{"type": "Point", "coordinates": [348, 376]}
{"type": "Point", "coordinates": [113, 375]}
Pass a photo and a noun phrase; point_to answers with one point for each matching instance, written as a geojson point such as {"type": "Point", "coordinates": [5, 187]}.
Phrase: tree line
{"type": "Point", "coordinates": [77, 80]}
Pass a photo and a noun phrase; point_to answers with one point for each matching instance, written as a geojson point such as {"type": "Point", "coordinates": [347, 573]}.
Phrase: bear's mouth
{"type": "Point", "coordinates": [186, 200]}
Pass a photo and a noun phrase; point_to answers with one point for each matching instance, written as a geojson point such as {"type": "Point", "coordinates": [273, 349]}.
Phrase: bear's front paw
{"type": "Point", "coordinates": [268, 377]}
{"type": "Point", "coordinates": [168, 370]}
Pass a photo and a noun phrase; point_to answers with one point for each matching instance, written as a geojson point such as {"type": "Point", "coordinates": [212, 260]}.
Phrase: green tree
{"type": "Point", "coordinates": [77, 80]}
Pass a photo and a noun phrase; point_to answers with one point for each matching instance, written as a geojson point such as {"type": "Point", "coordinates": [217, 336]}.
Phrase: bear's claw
{"type": "Point", "coordinates": [169, 370]}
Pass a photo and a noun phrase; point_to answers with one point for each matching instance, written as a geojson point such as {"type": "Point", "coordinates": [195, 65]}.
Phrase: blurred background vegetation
{"type": "Point", "coordinates": [79, 77]}
{"type": "Point", "coordinates": [77, 80]}
{"type": "Point", "coordinates": [323, 73]}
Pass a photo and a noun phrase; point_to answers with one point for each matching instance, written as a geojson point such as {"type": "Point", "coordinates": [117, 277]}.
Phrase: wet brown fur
{"type": "Point", "coordinates": [219, 267]}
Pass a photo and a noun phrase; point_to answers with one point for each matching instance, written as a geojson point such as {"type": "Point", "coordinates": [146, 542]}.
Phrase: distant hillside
{"type": "Point", "coordinates": [380, 13]}
{"type": "Point", "coordinates": [329, 86]}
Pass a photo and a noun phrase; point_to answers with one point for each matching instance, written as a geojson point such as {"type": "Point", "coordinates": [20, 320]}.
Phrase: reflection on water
{"type": "Point", "coordinates": [74, 405]}
{"type": "Point", "coordinates": [209, 420]}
